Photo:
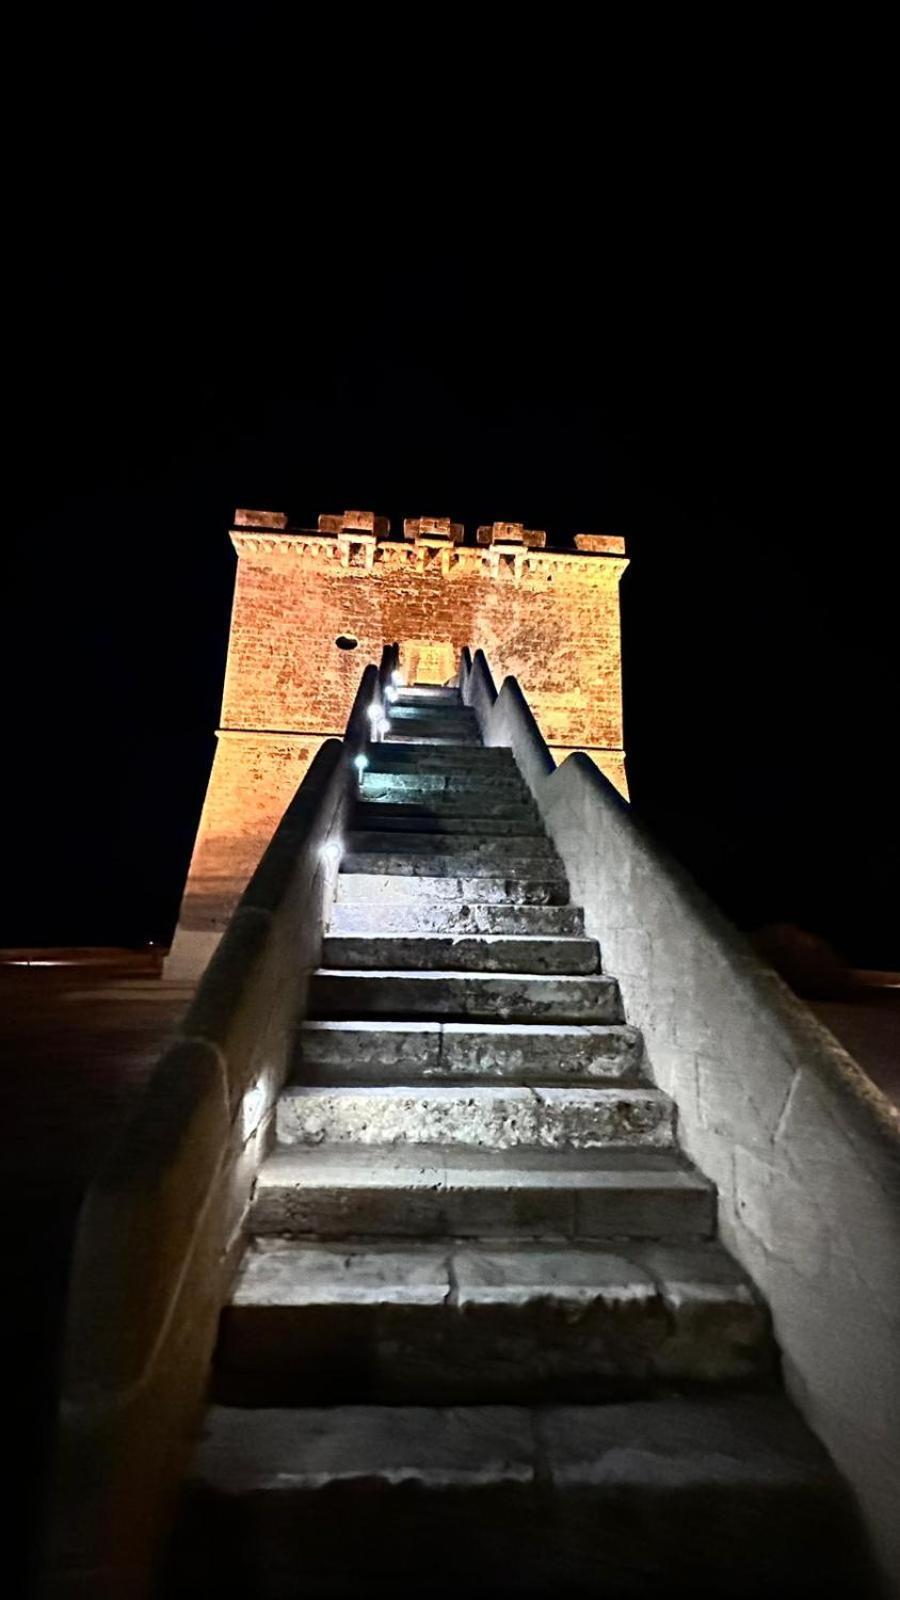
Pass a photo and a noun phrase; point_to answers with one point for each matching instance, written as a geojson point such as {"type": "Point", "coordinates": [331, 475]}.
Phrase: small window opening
{"type": "Point", "coordinates": [346, 641]}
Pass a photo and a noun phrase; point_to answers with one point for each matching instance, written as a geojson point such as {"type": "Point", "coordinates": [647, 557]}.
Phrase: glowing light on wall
{"type": "Point", "coordinates": [40, 963]}
{"type": "Point", "coordinates": [252, 1108]}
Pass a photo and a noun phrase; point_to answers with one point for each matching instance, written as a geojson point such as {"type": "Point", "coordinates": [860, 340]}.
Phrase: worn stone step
{"type": "Point", "coordinates": [485, 803]}
{"type": "Point", "coordinates": [446, 769]}
{"type": "Point", "coordinates": [479, 996]}
{"type": "Point", "coordinates": [358, 884]}
{"type": "Point", "coordinates": [479, 865]}
{"type": "Point", "coordinates": [433, 736]}
{"type": "Point", "coordinates": [488, 848]}
{"type": "Point", "coordinates": [440, 790]}
{"type": "Point", "coordinates": [497, 1117]}
{"type": "Point", "coordinates": [424, 694]}
{"type": "Point", "coordinates": [406, 758]}
{"type": "Point", "coordinates": [471, 845]}
{"type": "Point", "coordinates": [452, 916]}
{"type": "Point", "coordinates": [503, 821]}
{"type": "Point", "coordinates": [483, 1320]}
{"type": "Point", "coordinates": [471, 1052]}
{"type": "Point", "coordinates": [712, 1497]}
{"type": "Point", "coordinates": [335, 1191]}
{"type": "Point", "coordinates": [459, 952]}
{"type": "Point", "coordinates": [431, 711]}
{"type": "Point", "coordinates": [548, 1053]}
{"type": "Point", "coordinates": [454, 727]}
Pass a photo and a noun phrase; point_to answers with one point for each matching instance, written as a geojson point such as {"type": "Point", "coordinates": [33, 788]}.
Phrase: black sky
{"type": "Point", "coordinates": [246, 272]}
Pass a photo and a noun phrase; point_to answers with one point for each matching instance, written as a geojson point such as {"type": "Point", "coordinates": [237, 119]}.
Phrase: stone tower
{"type": "Point", "coordinates": [311, 608]}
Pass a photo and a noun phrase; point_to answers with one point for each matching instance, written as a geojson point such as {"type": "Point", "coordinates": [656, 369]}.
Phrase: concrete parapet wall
{"type": "Point", "coordinates": [161, 1226]}
{"type": "Point", "coordinates": [514, 714]}
{"type": "Point", "coordinates": [805, 1151]}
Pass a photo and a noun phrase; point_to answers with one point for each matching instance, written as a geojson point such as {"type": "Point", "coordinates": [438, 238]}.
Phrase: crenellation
{"type": "Point", "coordinates": [260, 519]}
{"type": "Point", "coordinates": [355, 521]}
{"type": "Point", "coordinates": [600, 543]}
{"type": "Point", "coordinates": [511, 533]}
{"type": "Point", "coordinates": [433, 530]}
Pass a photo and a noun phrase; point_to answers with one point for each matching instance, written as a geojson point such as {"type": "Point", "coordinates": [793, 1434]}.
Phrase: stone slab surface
{"type": "Point", "coordinates": [457, 739]}
{"type": "Point", "coordinates": [416, 1191]}
{"type": "Point", "coordinates": [406, 758]}
{"type": "Point", "coordinates": [498, 1117]}
{"type": "Point", "coordinates": [719, 1498]}
{"type": "Point", "coordinates": [684, 1443]}
{"type": "Point", "coordinates": [430, 711]}
{"type": "Point", "coordinates": [489, 801]}
{"type": "Point", "coordinates": [482, 1319]}
{"type": "Point", "coordinates": [362, 882]}
{"type": "Point", "coordinates": [428, 694]}
{"type": "Point", "coordinates": [473, 864]}
{"type": "Point", "coordinates": [484, 952]}
{"type": "Point", "coordinates": [451, 785]}
{"type": "Point", "coordinates": [488, 847]}
{"type": "Point", "coordinates": [451, 916]}
{"type": "Point", "coordinates": [424, 726]}
{"type": "Point", "coordinates": [508, 997]}
{"type": "Point", "coordinates": [520, 1052]}
{"type": "Point", "coordinates": [505, 822]}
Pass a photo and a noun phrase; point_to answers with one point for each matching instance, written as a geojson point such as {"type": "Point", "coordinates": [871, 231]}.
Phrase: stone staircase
{"type": "Point", "coordinates": [484, 1338]}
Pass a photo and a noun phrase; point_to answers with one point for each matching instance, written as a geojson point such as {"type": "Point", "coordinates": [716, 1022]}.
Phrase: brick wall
{"type": "Point", "coordinates": [253, 779]}
{"type": "Point", "coordinates": [549, 617]}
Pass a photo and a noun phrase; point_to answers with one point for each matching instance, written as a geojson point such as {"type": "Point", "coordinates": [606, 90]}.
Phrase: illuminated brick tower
{"type": "Point", "coordinates": [312, 608]}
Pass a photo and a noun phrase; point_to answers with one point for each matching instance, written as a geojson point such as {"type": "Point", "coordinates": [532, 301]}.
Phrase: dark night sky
{"type": "Point", "coordinates": [241, 281]}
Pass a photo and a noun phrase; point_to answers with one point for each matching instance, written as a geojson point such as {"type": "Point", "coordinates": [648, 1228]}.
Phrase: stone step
{"type": "Point", "coordinates": [405, 757]}
{"type": "Point", "coordinates": [426, 694]}
{"type": "Point", "coordinates": [470, 1320]}
{"type": "Point", "coordinates": [455, 952]}
{"type": "Point", "coordinates": [488, 848]}
{"type": "Point", "coordinates": [449, 785]}
{"type": "Point", "coordinates": [466, 1052]}
{"type": "Point", "coordinates": [430, 705]}
{"type": "Point", "coordinates": [431, 711]}
{"type": "Point", "coordinates": [495, 1117]}
{"type": "Point", "coordinates": [478, 996]}
{"type": "Point", "coordinates": [441, 805]}
{"type": "Point", "coordinates": [479, 865]}
{"type": "Point", "coordinates": [359, 884]}
{"type": "Point", "coordinates": [433, 736]}
{"type": "Point", "coordinates": [716, 1497]}
{"type": "Point", "coordinates": [413, 725]}
{"type": "Point", "coordinates": [451, 916]}
{"type": "Point", "coordinates": [336, 1191]}
{"type": "Point", "coordinates": [504, 821]}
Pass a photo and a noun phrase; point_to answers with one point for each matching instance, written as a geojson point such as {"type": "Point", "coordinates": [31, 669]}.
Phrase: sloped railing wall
{"type": "Point", "coordinates": [803, 1148]}
{"type": "Point", "coordinates": [161, 1226]}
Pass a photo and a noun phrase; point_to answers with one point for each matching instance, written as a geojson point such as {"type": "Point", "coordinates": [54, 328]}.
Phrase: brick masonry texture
{"type": "Point", "coordinates": [550, 618]}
